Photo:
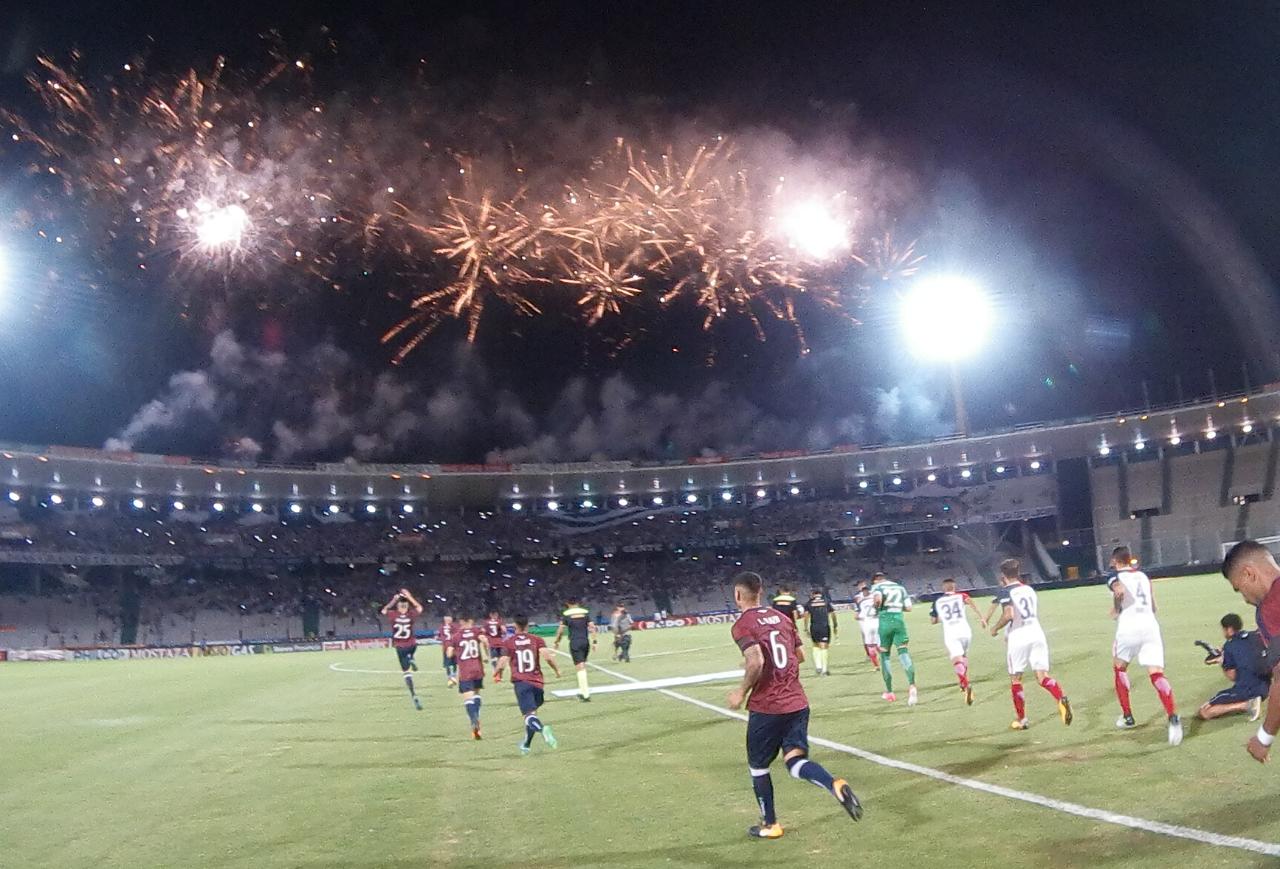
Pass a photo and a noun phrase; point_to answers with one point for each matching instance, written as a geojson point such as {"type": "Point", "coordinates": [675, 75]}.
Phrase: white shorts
{"type": "Point", "coordinates": [957, 642]}
{"type": "Point", "coordinates": [1141, 641]}
{"type": "Point", "coordinates": [1028, 650]}
{"type": "Point", "coordinates": [870, 632]}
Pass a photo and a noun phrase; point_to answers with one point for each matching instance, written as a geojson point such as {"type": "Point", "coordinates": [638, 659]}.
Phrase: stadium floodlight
{"type": "Point", "coordinates": [139, 504]}
{"type": "Point", "coordinates": [218, 506]}
{"type": "Point", "coordinates": [1211, 434]}
{"type": "Point", "coordinates": [295, 508]}
{"type": "Point", "coordinates": [795, 490]}
{"type": "Point", "coordinates": [999, 469]}
{"type": "Point", "coordinates": [15, 497]}
{"type": "Point", "coordinates": [221, 228]}
{"type": "Point", "coordinates": [179, 506]}
{"type": "Point", "coordinates": [945, 317]}
{"type": "Point", "coordinates": [1175, 440]}
{"type": "Point", "coordinates": [256, 507]}
{"type": "Point", "coordinates": [371, 508]}
{"type": "Point", "coordinates": [407, 509]}
{"type": "Point", "coordinates": [1035, 465]}
{"type": "Point", "coordinates": [691, 498]}
{"type": "Point", "coordinates": [932, 478]}
{"type": "Point", "coordinates": [588, 504]}
{"type": "Point", "coordinates": [761, 494]}
{"type": "Point", "coordinates": [517, 506]}
{"type": "Point", "coordinates": [553, 506]}
{"type": "Point", "coordinates": [55, 499]}
{"type": "Point", "coordinates": [862, 484]}
{"type": "Point", "coordinates": [1104, 450]}
{"type": "Point", "coordinates": [97, 501]}
{"type": "Point", "coordinates": [966, 474]}
{"type": "Point", "coordinates": [1247, 427]}
{"type": "Point", "coordinates": [897, 481]}
{"type": "Point", "coordinates": [1139, 445]}
{"type": "Point", "coordinates": [726, 496]}
{"type": "Point", "coordinates": [1066, 542]}
{"type": "Point", "coordinates": [623, 502]}
{"type": "Point", "coordinates": [657, 501]}
{"type": "Point", "coordinates": [334, 509]}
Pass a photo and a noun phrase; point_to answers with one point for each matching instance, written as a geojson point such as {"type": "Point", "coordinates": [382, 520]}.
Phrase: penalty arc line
{"type": "Point", "coordinates": [1177, 831]}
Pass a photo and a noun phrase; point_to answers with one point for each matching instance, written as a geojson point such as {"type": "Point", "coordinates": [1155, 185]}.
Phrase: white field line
{"type": "Point", "coordinates": [671, 682]}
{"type": "Point", "coordinates": [1174, 830]}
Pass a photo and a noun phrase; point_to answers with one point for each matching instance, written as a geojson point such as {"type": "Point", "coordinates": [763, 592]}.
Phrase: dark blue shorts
{"type": "Point", "coordinates": [768, 734]}
{"type": "Point", "coordinates": [1231, 695]}
{"type": "Point", "coordinates": [579, 652]}
{"type": "Point", "coordinates": [405, 656]}
{"type": "Point", "coordinates": [528, 697]}
{"type": "Point", "coordinates": [470, 685]}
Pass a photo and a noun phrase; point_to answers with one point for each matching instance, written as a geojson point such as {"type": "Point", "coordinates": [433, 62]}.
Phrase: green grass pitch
{"type": "Point", "coordinates": [278, 761]}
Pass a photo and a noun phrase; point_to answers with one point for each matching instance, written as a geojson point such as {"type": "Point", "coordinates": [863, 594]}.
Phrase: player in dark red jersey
{"type": "Point", "coordinates": [524, 654]}
{"type": "Point", "coordinates": [446, 634]}
{"type": "Point", "coordinates": [403, 610]}
{"type": "Point", "coordinates": [469, 649]}
{"type": "Point", "coordinates": [496, 632]}
{"type": "Point", "coordinates": [778, 710]}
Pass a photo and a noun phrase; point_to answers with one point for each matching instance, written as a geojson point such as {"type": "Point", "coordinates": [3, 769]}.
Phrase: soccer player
{"type": "Point", "coordinates": [403, 610]}
{"type": "Point", "coordinates": [496, 632]}
{"type": "Point", "coordinates": [785, 602]}
{"type": "Point", "coordinates": [778, 710]}
{"type": "Point", "coordinates": [949, 610]}
{"type": "Point", "coordinates": [822, 628]}
{"type": "Point", "coordinates": [1138, 636]}
{"type": "Point", "coordinates": [891, 600]}
{"type": "Point", "coordinates": [525, 653]}
{"type": "Point", "coordinates": [1028, 646]}
{"type": "Point", "coordinates": [446, 634]}
{"type": "Point", "coordinates": [469, 650]}
{"type": "Point", "coordinates": [1243, 661]}
{"type": "Point", "coordinates": [869, 623]}
{"type": "Point", "coordinates": [1252, 571]}
{"type": "Point", "coordinates": [576, 621]}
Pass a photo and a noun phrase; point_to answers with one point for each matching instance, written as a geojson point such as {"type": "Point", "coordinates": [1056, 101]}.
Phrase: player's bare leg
{"type": "Point", "coordinates": [413, 695]}
{"type": "Point", "coordinates": [1019, 703]}
{"type": "Point", "coordinates": [1165, 690]}
{"type": "Point", "coordinates": [584, 687]}
{"type": "Point", "coordinates": [1210, 711]}
{"type": "Point", "coordinates": [1051, 685]}
{"type": "Point", "coordinates": [1121, 670]}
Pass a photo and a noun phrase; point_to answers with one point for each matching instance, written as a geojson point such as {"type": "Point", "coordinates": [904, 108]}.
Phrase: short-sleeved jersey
{"type": "Point", "coordinates": [577, 619]}
{"type": "Point", "coordinates": [893, 596]}
{"type": "Point", "coordinates": [819, 610]}
{"type": "Point", "coordinates": [1268, 616]}
{"type": "Point", "coordinates": [524, 653]}
{"type": "Point", "coordinates": [950, 611]}
{"type": "Point", "coordinates": [402, 629]}
{"type": "Point", "coordinates": [1245, 654]}
{"type": "Point", "coordinates": [448, 630]}
{"type": "Point", "coordinates": [468, 655]}
{"type": "Point", "coordinates": [778, 691]}
{"type": "Point", "coordinates": [1026, 606]}
{"type": "Point", "coordinates": [496, 631]}
{"type": "Point", "coordinates": [1138, 606]}
{"type": "Point", "coordinates": [865, 601]}
{"type": "Point", "coordinates": [785, 603]}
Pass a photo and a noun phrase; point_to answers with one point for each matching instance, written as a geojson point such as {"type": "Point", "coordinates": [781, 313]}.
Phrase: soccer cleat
{"type": "Point", "coordinates": [912, 697]}
{"type": "Point", "coordinates": [451, 681]}
{"type": "Point", "coordinates": [524, 750]}
{"type": "Point", "coordinates": [766, 831]}
{"type": "Point", "coordinates": [475, 732]}
{"type": "Point", "coordinates": [842, 792]}
{"type": "Point", "coordinates": [417, 704]}
{"type": "Point", "coordinates": [1064, 711]}
{"type": "Point", "coordinates": [1126, 722]}
{"type": "Point", "coordinates": [1255, 708]}
{"type": "Point", "coordinates": [968, 695]}
{"type": "Point", "coordinates": [1175, 730]}
{"type": "Point", "coordinates": [548, 736]}
{"type": "Point", "coordinates": [888, 695]}
{"type": "Point", "coordinates": [1020, 724]}
{"type": "Point", "coordinates": [584, 699]}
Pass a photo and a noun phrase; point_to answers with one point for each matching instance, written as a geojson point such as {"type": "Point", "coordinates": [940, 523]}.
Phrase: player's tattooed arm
{"type": "Point", "coordinates": [753, 666]}
{"type": "Point", "coordinates": [1117, 598]}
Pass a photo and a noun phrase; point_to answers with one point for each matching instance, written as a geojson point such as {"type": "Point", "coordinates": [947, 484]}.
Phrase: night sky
{"type": "Point", "coordinates": [1057, 155]}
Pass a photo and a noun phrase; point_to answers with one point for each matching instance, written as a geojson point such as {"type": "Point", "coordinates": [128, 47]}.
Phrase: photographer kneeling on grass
{"type": "Point", "coordinates": [1243, 659]}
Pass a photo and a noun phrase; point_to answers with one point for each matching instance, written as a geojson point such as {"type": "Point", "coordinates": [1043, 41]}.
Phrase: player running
{"type": "Point", "coordinates": [778, 710]}
{"type": "Point", "coordinates": [1028, 646]}
{"type": "Point", "coordinates": [1138, 636]}
{"type": "Point", "coordinates": [821, 619]}
{"type": "Point", "coordinates": [446, 634]}
{"type": "Point", "coordinates": [868, 623]}
{"type": "Point", "coordinates": [949, 611]}
{"type": "Point", "coordinates": [403, 610]}
{"type": "Point", "coordinates": [524, 654]}
{"type": "Point", "coordinates": [576, 620]}
{"type": "Point", "coordinates": [891, 601]}
{"type": "Point", "coordinates": [785, 602]}
{"type": "Point", "coordinates": [469, 650]}
{"type": "Point", "coordinates": [496, 633]}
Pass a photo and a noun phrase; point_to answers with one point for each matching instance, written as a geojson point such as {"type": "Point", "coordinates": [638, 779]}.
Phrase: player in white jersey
{"type": "Point", "coordinates": [869, 623]}
{"type": "Point", "coordinates": [1028, 646]}
{"type": "Point", "coordinates": [1138, 637]}
{"type": "Point", "coordinates": [949, 611]}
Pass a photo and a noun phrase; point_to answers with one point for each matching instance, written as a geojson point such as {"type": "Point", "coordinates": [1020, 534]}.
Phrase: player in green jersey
{"type": "Point", "coordinates": [892, 601]}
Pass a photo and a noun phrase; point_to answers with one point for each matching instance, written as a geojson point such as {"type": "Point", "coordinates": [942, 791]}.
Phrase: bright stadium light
{"type": "Point", "coordinates": [1175, 440]}
{"type": "Point", "coordinates": [1211, 434]}
{"type": "Point", "coordinates": [691, 498]}
{"type": "Point", "coordinates": [761, 494]}
{"type": "Point", "coordinates": [1139, 445]}
{"type": "Point", "coordinates": [256, 507]}
{"type": "Point", "coordinates": [139, 504]}
{"type": "Point", "coordinates": [517, 506]}
{"type": "Point", "coordinates": [795, 490]}
{"type": "Point", "coordinates": [334, 509]}
{"type": "Point", "coordinates": [945, 317]}
{"type": "Point", "coordinates": [657, 501]}
{"type": "Point", "coordinates": [623, 502]}
{"type": "Point", "coordinates": [726, 496]}
{"type": "Point", "coordinates": [371, 508]}
{"type": "Point", "coordinates": [932, 478]}
{"type": "Point", "coordinates": [999, 469]}
{"type": "Point", "coordinates": [295, 508]}
{"type": "Point", "coordinates": [218, 506]}
{"type": "Point", "coordinates": [897, 481]}
{"type": "Point", "coordinates": [97, 501]}
{"type": "Point", "coordinates": [553, 506]}
{"type": "Point", "coordinates": [966, 474]}
{"type": "Point", "coordinates": [1247, 427]}
{"type": "Point", "coordinates": [862, 484]}
{"type": "Point", "coordinates": [15, 497]}
{"type": "Point", "coordinates": [179, 506]}
{"type": "Point", "coordinates": [221, 228]}
{"type": "Point", "coordinates": [588, 504]}
{"type": "Point", "coordinates": [407, 509]}
{"type": "Point", "coordinates": [55, 499]}
{"type": "Point", "coordinates": [1035, 465]}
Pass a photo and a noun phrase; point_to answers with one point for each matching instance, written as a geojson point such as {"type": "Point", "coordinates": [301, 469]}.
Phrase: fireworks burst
{"type": "Point", "coordinates": [246, 175]}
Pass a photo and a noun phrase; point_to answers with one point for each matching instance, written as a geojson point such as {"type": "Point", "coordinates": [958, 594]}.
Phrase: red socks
{"type": "Point", "coordinates": [1165, 690]}
{"type": "Point", "coordinates": [873, 654]}
{"type": "Point", "coordinates": [962, 672]}
{"type": "Point", "coordinates": [1051, 685]}
{"type": "Point", "coordinates": [1019, 701]}
{"type": "Point", "coordinates": [1122, 692]}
